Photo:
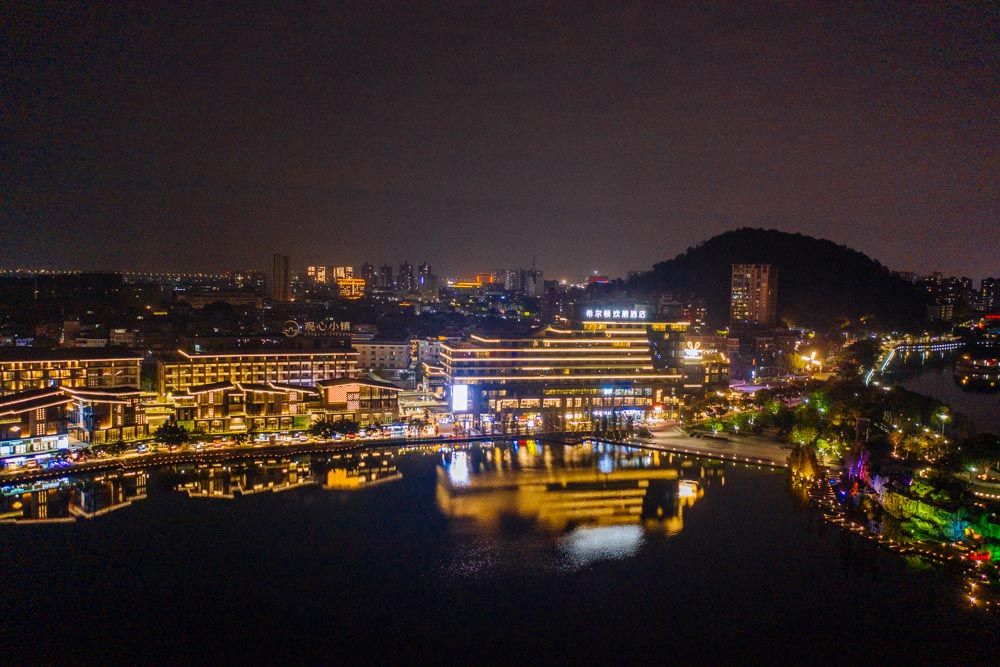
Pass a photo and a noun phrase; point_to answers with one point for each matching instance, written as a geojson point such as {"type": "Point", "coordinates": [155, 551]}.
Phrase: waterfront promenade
{"type": "Point", "coordinates": [134, 461]}
{"type": "Point", "coordinates": [740, 449]}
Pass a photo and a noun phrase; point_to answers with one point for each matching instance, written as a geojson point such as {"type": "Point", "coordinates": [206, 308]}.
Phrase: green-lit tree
{"type": "Point", "coordinates": [804, 434]}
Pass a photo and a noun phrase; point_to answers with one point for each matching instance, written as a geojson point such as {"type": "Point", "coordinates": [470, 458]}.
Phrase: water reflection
{"type": "Point", "coordinates": [589, 501]}
{"type": "Point", "coordinates": [598, 501]}
{"type": "Point", "coordinates": [65, 499]}
{"type": "Point", "coordinates": [244, 478]}
{"type": "Point", "coordinates": [88, 496]}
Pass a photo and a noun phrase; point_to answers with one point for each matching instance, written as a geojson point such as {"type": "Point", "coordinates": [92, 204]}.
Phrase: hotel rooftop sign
{"type": "Point", "coordinates": [616, 313]}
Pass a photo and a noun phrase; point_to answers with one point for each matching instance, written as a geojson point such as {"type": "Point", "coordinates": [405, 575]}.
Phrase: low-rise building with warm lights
{"type": "Point", "coordinates": [362, 400]}
{"type": "Point", "coordinates": [24, 368]}
{"type": "Point", "coordinates": [294, 360]}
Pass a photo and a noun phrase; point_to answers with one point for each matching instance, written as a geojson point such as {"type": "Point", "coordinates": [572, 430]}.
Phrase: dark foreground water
{"type": "Point", "coordinates": [485, 555]}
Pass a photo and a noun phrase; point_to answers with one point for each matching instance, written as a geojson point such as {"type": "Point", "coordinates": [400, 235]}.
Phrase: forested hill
{"type": "Point", "coordinates": [820, 282]}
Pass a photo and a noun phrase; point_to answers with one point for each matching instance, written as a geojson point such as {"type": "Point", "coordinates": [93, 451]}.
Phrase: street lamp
{"type": "Point", "coordinates": [943, 417]}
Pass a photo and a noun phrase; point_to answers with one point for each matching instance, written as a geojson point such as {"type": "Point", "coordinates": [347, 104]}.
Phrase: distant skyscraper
{"type": "Point", "coordinates": [989, 293]}
{"type": "Point", "coordinates": [318, 274]}
{"type": "Point", "coordinates": [531, 282]}
{"type": "Point", "coordinates": [406, 281]}
{"type": "Point", "coordinates": [368, 274]}
{"type": "Point", "coordinates": [754, 295]}
{"type": "Point", "coordinates": [425, 278]}
{"type": "Point", "coordinates": [281, 286]}
{"type": "Point", "coordinates": [342, 272]}
{"type": "Point", "coordinates": [507, 278]}
{"type": "Point", "coordinates": [385, 280]}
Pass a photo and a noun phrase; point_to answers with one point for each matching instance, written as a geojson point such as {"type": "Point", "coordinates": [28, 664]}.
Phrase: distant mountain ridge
{"type": "Point", "coordinates": [820, 282]}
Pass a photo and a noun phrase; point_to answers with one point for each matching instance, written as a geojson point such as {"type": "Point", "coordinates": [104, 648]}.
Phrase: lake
{"type": "Point", "coordinates": [474, 554]}
{"type": "Point", "coordinates": [932, 375]}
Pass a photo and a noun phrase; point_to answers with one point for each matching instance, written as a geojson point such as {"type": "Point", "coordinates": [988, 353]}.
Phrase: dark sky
{"type": "Point", "coordinates": [477, 135]}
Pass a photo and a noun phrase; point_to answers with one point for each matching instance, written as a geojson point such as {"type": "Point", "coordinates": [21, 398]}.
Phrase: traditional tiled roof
{"type": "Point", "coordinates": [26, 401]}
{"type": "Point", "coordinates": [205, 388]}
{"type": "Point", "coordinates": [368, 382]}
{"type": "Point", "coordinates": [103, 394]}
{"type": "Point", "coordinates": [284, 386]}
{"type": "Point", "coordinates": [259, 388]}
{"type": "Point", "coordinates": [66, 353]}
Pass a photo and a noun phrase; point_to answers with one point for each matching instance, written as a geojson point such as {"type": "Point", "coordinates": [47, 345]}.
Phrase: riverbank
{"type": "Point", "coordinates": [742, 449]}
{"type": "Point", "coordinates": [737, 449]}
{"type": "Point", "coordinates": [937, 381]}
{"type": "Point", "coordinates": [961, 540]}
{"type": "Point", "coordinates": [134, 461]}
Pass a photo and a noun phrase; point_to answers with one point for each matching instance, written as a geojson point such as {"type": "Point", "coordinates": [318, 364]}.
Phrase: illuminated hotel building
{"type": "Point", "coordinates": [612, 359]}
{"type": "Point", "coordinates": [300, 365]}
{"type": "Point", "coordinates": [22, 369]}
{"type": "Point", "coordinates": [227, 407]}
{"type": "Point", "coordinates": [364, 400]}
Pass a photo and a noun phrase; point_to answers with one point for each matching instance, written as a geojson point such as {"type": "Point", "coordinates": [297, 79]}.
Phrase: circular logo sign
{"type": "Point", "coordinates": [291, 328]}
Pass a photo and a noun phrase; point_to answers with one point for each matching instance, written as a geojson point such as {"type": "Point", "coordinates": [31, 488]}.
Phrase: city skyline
{"type": "Point", "coordinates": [606, 138]}
{"type": "Point", "coordinates": [441, 333]}
{"type": "Point", "coordinates": [300, 267]}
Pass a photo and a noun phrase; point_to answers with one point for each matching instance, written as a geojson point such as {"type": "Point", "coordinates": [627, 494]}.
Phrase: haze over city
{"type": "Point", "coordinates": [479, 333]}
{"type": "Point", "coordinates": [591, 137]}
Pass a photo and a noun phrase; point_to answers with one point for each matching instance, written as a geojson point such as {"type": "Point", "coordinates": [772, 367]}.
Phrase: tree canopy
{"type": "Point", "coordinates": [327, 428]}
{"type": "Point", "coordinates": [172, 433]}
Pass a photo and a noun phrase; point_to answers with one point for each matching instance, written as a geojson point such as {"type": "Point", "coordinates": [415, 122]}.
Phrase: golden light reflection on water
{"type": "Point", "coordinates": [594, 502]}
{"type": "Point", "coordinates": [89, 496]}
{"type": "Point", "coordinates": [56, 501]}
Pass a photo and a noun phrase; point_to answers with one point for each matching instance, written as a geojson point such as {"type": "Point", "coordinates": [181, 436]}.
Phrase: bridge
{"type": "Point", "coordinates": [892, 347]}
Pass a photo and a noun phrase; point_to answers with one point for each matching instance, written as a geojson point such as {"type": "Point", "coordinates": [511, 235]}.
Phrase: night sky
{"type": "Point", "coordinates": [179, 137]}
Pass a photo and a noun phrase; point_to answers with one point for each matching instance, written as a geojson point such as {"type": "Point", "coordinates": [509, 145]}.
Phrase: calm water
{"type": "Point", "coordinates": [482, 555]}
{"type": "Point", "coordinates": [932, 375]}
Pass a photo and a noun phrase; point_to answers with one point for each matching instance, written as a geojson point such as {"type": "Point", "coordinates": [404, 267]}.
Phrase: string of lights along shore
{"type": "Point", "coordinates": [284, 332]}
{"type": "Point", "coordinates": [500, 333]}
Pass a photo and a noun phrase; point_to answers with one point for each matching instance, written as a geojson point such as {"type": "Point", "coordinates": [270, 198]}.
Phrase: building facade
{"type": "Point", "coordinates": [22, 369]}
{"type": "Point", "coordinates": [41, 421]}
{"type": "Point", "coordinates": [754, 295]}
{"type": "Point", "coordinates": [351, 288]}
{"type": "Point", "coordinates": [185, 369]}
{"type": "Point", "coordinates": [318, 274]}
{"type": "Point", "coordinates": [362, 400]}
{"type": "Point", "coordinates": [612, 359]}
{"type": "Point", "coordinates": [377, 355]}
{"type": "Point", "coordinates": [234, 407]}
{"type": "Point", "coordinates": [281, 280]}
